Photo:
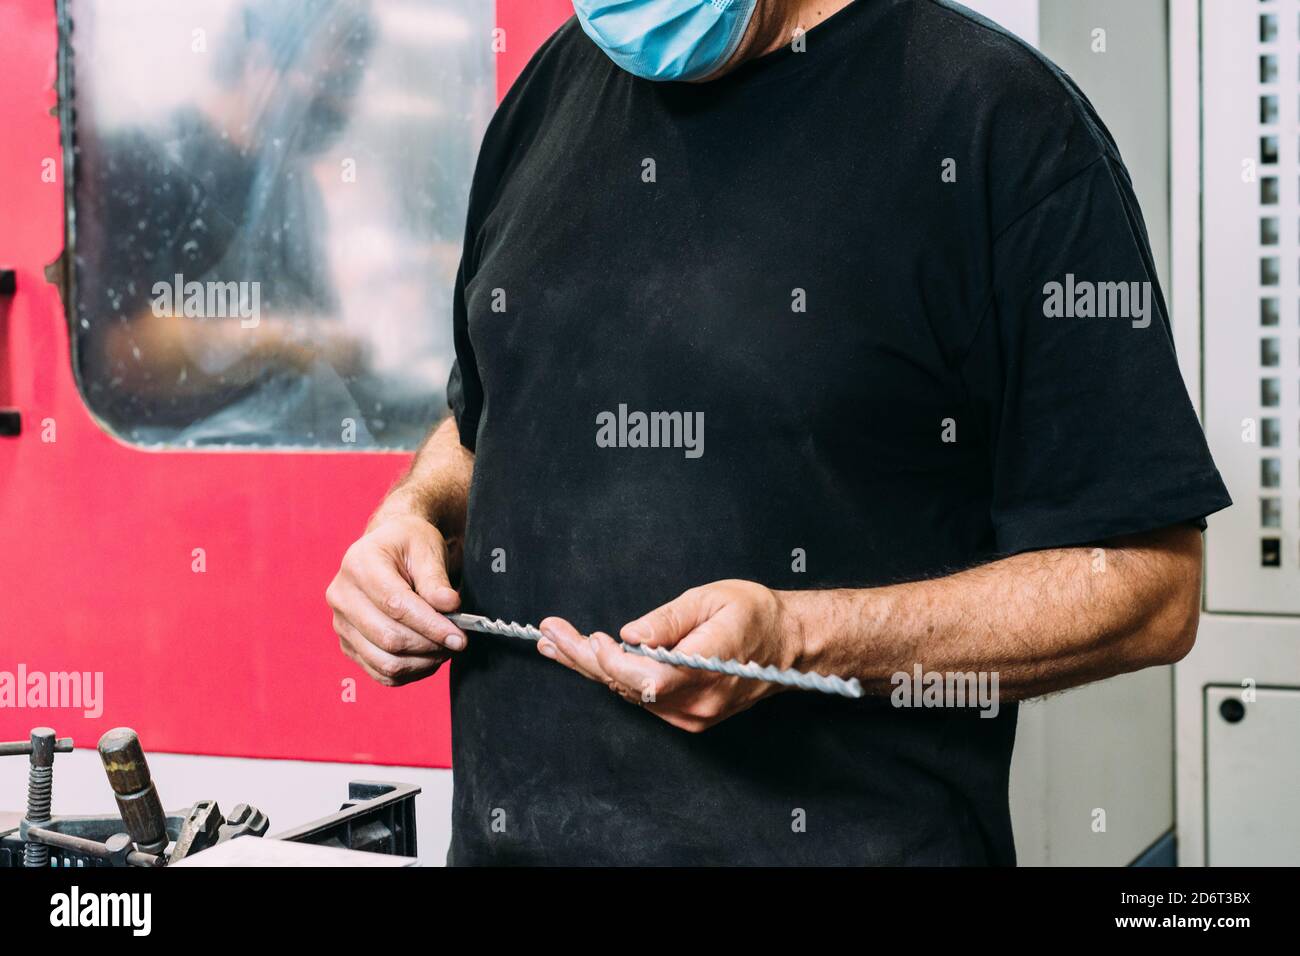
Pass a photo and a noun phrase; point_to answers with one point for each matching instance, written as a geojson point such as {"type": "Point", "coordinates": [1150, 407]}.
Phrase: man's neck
{"type": "Point", "coordinates": [776, 23]}
{"type": "Point", "coordinates": [803, 16]}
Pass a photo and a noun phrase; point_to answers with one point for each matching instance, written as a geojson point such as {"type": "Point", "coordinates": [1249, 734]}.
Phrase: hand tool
{"type": "Point", "coordinates": [117, 850]}
{"type": "Point", "coordinates": [804, 680]}
{"type": "Point", "coordinates": [62, 745]}
{"type": "Point", "coordinates": [41, 747]}
{"type": "Point", "coordinates": [378, 817]}
{"type": "Point", "coordinates": [201, 829]}
{"type": "Point", "coordinates": [137, 798]}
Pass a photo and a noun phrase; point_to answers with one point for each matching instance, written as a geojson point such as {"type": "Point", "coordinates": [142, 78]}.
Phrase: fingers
{"type": "Point", "coordinates": [649, 680]}
{"type": "Point", "coordinates": [669, 623]}
{"type": "Point", "coordinates": [689, 699]}
{"type": "Point", "coordinates": [426, 560]}
{"type": "Point", "coordinates": [681, 697]}
{"type": "Point", "coordinates": [391, 670]}
{"type": "Point", "coordinates": [382, 622]}
{"type": "Point", "coordinates": [570, 648]}
{"type": "Point", "coordinates": [390, 592]}
{"type": "Point", "coordinates": [374, 567]}
{"type": "Point", "coordinates": [378, 628]}
{"type": "Point", "coordinates": [600, 658]}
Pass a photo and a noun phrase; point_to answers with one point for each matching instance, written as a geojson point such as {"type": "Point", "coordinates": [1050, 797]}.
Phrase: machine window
{"type": "Point", "coordinates": [267, 213]}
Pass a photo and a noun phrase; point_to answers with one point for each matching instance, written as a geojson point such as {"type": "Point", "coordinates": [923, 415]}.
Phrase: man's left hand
{"type": "Point", "coordinates": [739, 620]}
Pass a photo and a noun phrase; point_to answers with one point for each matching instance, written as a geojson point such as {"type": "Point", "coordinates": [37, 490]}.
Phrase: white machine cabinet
{"type": "Point", "coordinates": [1252, 778]}
{"type": "Point", "coordinates": [1251, 191]}
{"type": "Point", "coordinates": [1236, 300]}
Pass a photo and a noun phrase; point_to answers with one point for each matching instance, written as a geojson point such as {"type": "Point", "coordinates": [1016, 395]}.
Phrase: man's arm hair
{"type": "Point", "coordinates": [1043, 620]}
{"type": "Point", "coordinates": [435, 488]}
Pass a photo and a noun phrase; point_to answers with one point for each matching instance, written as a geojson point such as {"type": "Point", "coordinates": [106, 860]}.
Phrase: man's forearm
{"type": "Point", "coordinates": [1044, 621]}
{"type": "Point", "coordinates": [436, 487]}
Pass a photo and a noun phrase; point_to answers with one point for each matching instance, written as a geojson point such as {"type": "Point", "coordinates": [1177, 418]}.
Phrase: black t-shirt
{"type": "Point", "coordinates": [782, 251]}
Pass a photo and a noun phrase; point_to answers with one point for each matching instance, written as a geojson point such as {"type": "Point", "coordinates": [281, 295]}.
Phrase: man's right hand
{"type": "Point", "coordinates": [387, 597]}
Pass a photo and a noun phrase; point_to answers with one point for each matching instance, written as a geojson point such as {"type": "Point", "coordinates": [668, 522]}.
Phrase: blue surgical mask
{"type": "Point", "coordinates": [667, 39]}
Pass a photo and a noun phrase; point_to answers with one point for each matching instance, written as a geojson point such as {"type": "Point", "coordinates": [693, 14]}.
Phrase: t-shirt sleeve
{"type": "Point", "coordinates": [1074, 380]}
{"type": "Point", "coordinates": [464, 388]}
{"type": "Point", "coordinates": [518, 118]}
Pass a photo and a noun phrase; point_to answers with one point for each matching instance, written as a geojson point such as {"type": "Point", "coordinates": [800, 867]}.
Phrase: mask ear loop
{"type": "Point", "coordinates": [739, 28]}
{"type": "Point", "coordinates": [735, 36]}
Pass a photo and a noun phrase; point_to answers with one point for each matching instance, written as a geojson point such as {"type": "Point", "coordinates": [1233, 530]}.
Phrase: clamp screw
{"type": "Point", "coordinates": [40, 789]}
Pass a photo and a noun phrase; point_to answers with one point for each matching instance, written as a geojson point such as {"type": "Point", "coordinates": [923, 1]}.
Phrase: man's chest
{"type": "Point", "coordinates": [666, 265]}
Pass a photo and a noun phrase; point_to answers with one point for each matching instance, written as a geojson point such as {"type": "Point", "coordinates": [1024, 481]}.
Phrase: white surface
{"type": "Point", "coordinates": [1185, 193]}
{"type": "Point", "coordinates": [1253, 779]}
{"type": "Point", "coordinates": [1263, 649]}
{"type": "Point", "coordinates": [1230, 650]}
{"type": "Point", "coordinates": [1101, 747]}
{"type": "Point", "coordinates": [253, 852]}
{"type": "Point", "coordinates": [289, 792]}
{"type": "Point", "coordinates": [1018, 16]}
{"type": "Point", "coordinates": [1232, 288]}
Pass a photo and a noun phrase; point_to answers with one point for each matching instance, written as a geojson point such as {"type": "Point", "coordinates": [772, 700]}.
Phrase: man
{"type": "Point", "coordinates": [223, 192]}
{"type": "Point", "coordinates": [842, 264]}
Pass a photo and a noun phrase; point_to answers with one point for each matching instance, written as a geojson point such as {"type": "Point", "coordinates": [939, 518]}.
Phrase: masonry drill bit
{"type": "Point", "coordinates": [825, 683]}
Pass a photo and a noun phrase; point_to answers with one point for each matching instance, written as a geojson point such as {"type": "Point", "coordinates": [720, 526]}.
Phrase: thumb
{"type": "Point", "coordinates": [669, 623]}
{"type": "Point", "coordinates": [426, 561]}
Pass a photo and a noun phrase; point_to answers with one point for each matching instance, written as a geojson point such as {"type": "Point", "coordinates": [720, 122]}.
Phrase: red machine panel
{"type": "Point", "coordinates": [97, 537]}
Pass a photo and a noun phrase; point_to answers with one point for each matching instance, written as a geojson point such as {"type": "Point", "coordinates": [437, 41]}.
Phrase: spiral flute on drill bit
{"type": "Point", "coordinates": [824, 683]}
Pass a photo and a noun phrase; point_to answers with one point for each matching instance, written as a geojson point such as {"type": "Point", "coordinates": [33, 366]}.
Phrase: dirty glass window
{"type": "Point", "coordinates": [268, 206]}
